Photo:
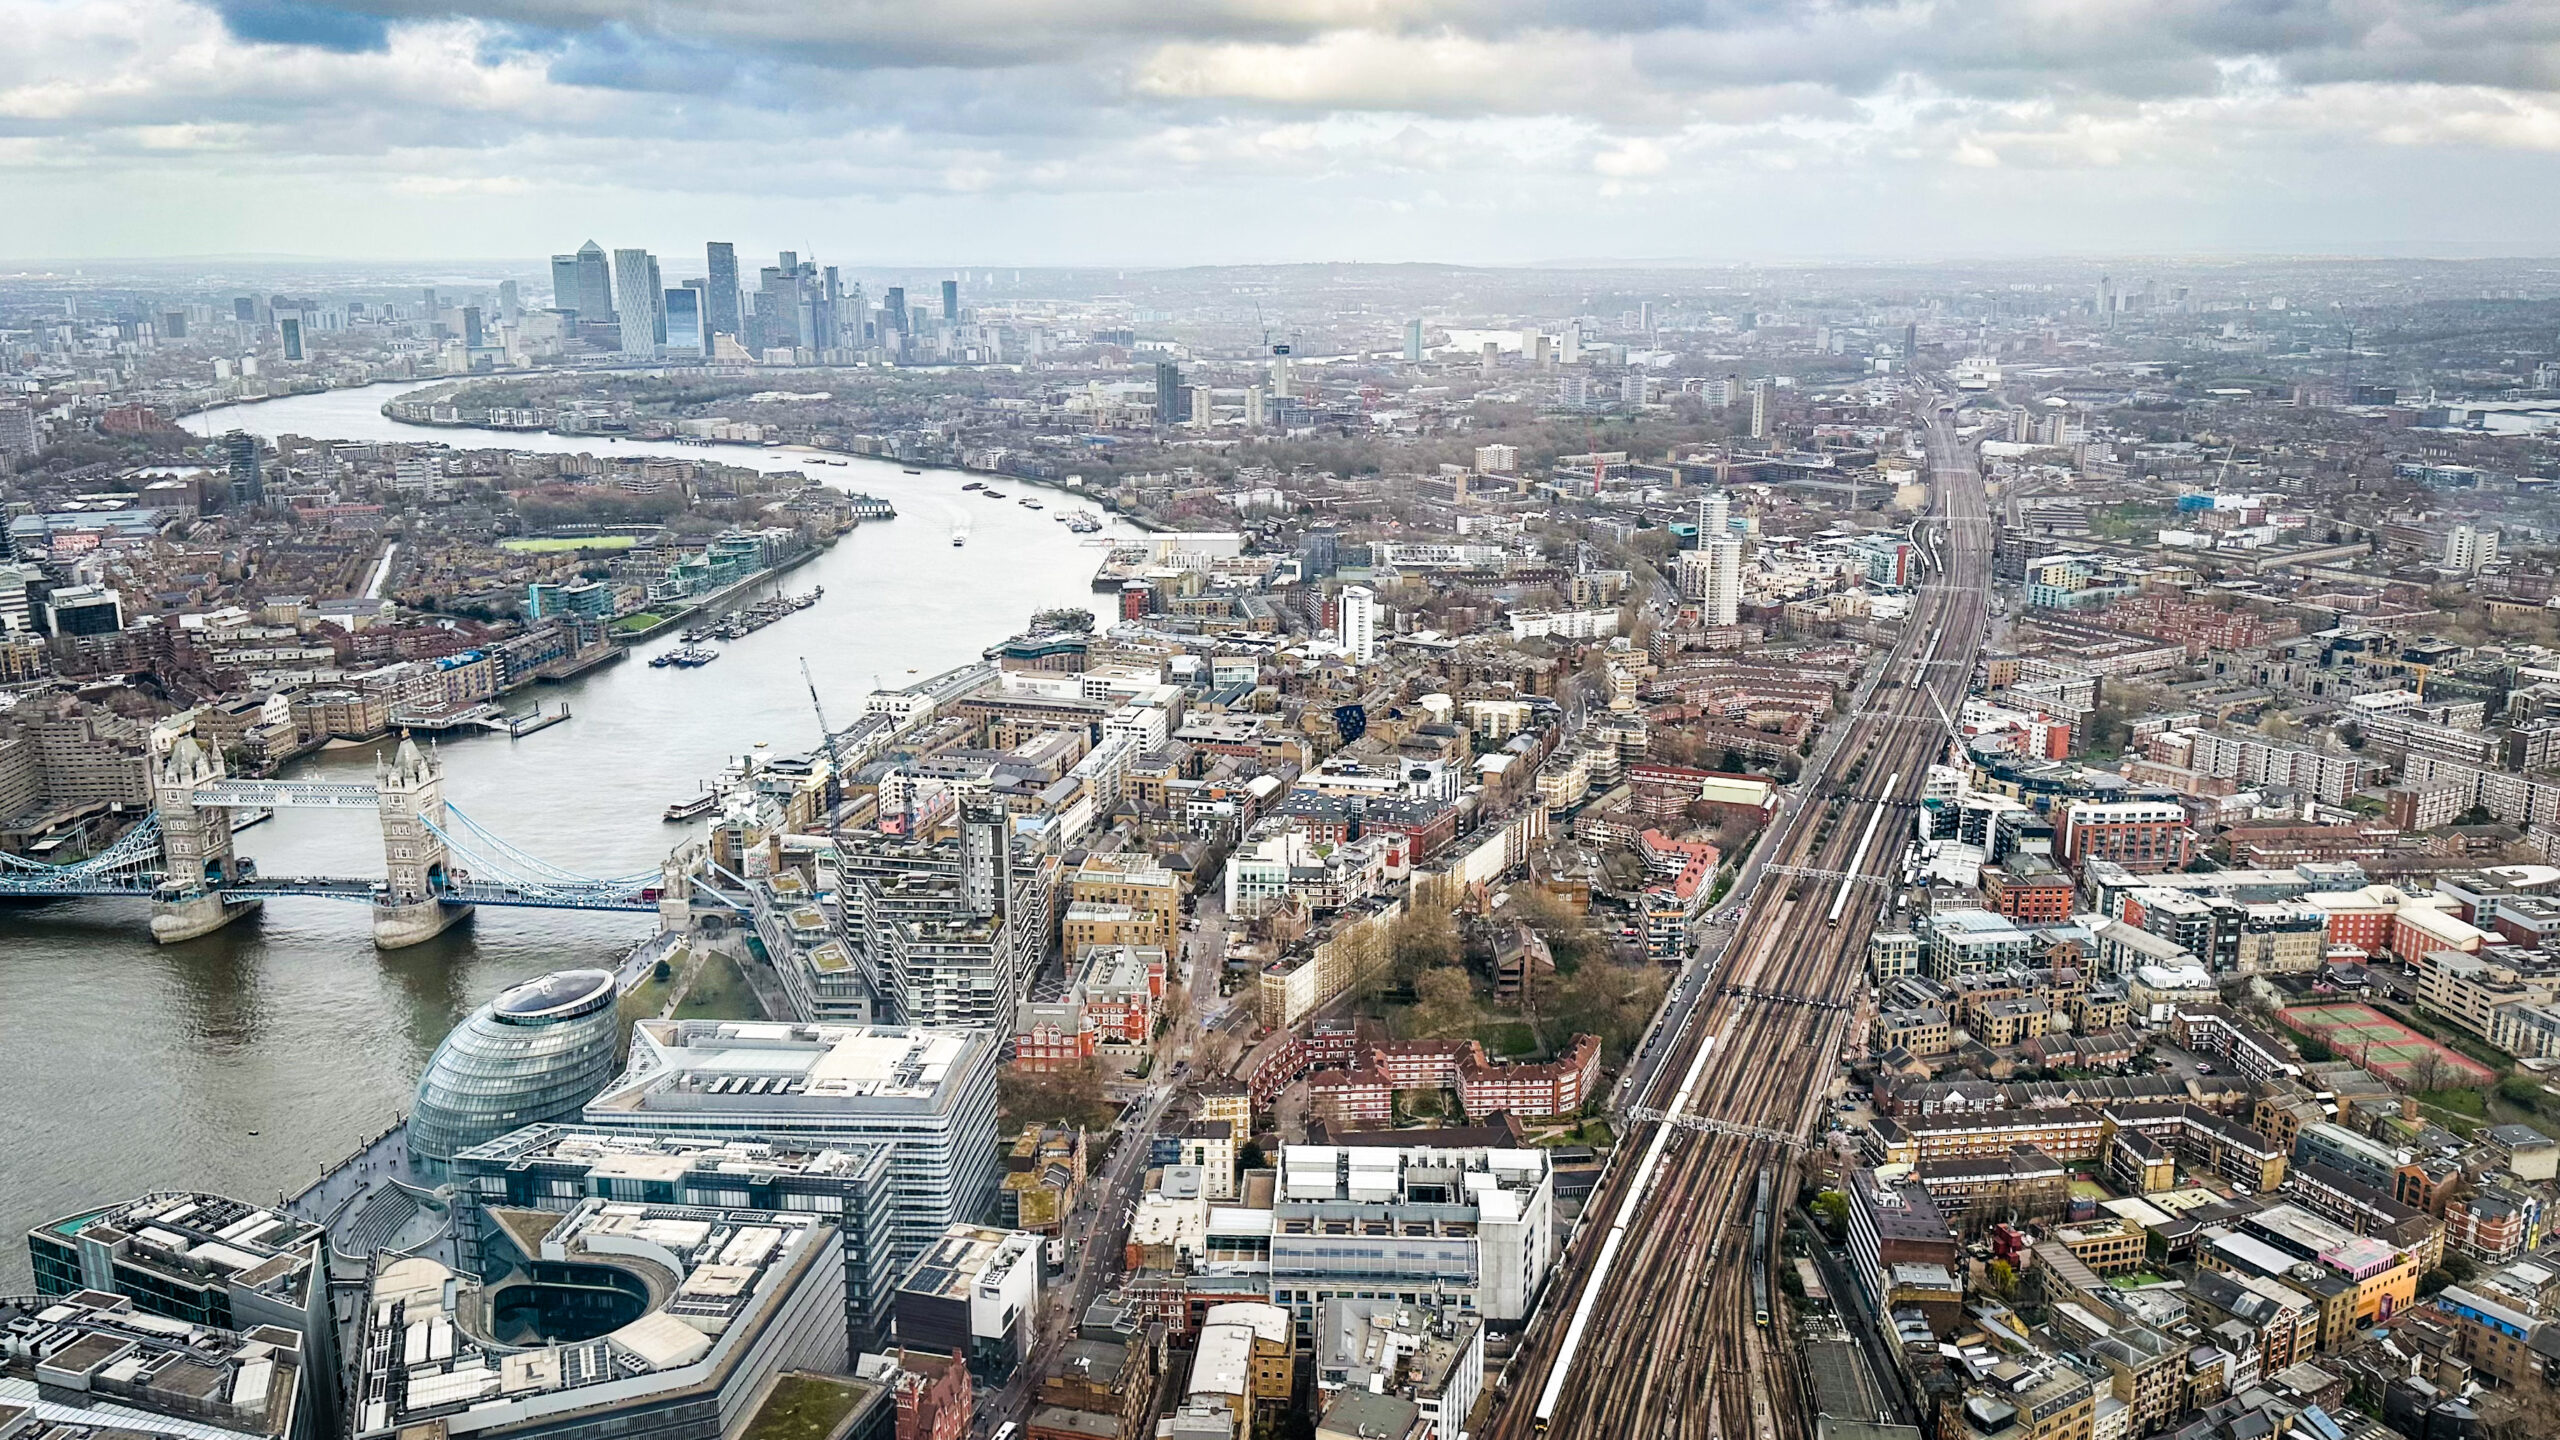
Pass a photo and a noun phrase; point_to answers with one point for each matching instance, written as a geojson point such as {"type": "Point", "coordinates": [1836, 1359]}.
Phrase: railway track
{"type": "Point", "coordinates": [1663, 1320]}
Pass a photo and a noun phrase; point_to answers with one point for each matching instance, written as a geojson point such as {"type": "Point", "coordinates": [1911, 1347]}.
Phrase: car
{"type": "Point", "coordinates": [2204, 1067]}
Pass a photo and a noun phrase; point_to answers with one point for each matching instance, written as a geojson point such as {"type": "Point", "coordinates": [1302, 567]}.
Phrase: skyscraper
{"type": "Point", "coordinates": [657, 305]}
{"type": "Point", "coordinates": [1170, 409]}
{"type": "Point", "coordinates": [1359, 630]}
{"type": "Point", "coordinates": [595, 284]}
{"type": "Point", "coordinates": [951, 301]}
{"type": "Point", "coordinates": [474, 334]}
{"type": "Point", "coordinates": [1413, 342]}
{"type": "Point", "coordinates": [1763, 391]}
{"type": "Point", "coordinates": [292, 330]}
{"type": "Point", "coordinates": [720, 292]}
{"type": "Point", "coordinates": [564, 283]}
{"type": "Point", "coordinates": [1910, 344]}
{"type": "Point", "coordinates": [684, 323]}
{"type": "Point", "coordinates": [637, 313]}
{"type": "Point", "coordinates": [248, 485]}
{"type": "Point", "coordinates": [510, 302]}
{"type": "Point", "coordinates": [893, 311]}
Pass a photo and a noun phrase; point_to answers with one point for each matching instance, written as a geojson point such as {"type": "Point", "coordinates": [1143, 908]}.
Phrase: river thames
{"type": "Point", "coordinates": [248, 1061]}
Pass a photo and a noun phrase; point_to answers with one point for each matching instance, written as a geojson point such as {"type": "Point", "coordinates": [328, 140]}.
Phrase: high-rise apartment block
{"type": "Point", "coordinates": [2470, 548]}
{"type": "Point", "coordinates": [1359, 628]}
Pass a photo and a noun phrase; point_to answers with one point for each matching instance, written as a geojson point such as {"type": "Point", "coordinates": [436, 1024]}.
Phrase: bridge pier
{"type": "Point", "coordinates": [410, 791]}
{"type": "Point", "coordinates": [195, 841]}
{"type": "Point", "coordinates": [192, 916]}
{"type": "Point", "coordinates": [398, 925]}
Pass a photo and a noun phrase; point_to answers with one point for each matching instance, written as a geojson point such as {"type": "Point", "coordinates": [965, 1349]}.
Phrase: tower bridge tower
{"type": "Point", "coordinates": [195, 841]}
{"type": "Point", "coordinates": [412, 909]}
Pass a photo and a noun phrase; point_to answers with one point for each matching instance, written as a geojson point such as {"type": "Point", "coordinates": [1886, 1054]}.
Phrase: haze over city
{"type": "Point", "coordinates": [1015, 132]}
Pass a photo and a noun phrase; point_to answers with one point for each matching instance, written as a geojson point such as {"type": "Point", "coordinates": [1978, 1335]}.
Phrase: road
{"type": "Point", "coordinates": [1650, 1326]}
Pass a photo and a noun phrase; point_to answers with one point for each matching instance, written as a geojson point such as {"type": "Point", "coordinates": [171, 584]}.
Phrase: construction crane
{"type": "Point", "coordinates": [826, 732]}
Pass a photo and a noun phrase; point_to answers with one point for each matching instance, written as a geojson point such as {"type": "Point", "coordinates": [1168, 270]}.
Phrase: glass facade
{"type": "Point", "coordinates": [537, 1053]}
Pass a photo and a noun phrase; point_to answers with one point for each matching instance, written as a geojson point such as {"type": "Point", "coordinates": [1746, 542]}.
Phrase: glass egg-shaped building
{"type": "Point", "coordinates": [537, 1053]}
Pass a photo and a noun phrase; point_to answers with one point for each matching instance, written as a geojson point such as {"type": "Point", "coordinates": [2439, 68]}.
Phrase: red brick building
{"type": "Point", "coordinates": [2146, 837]}
{"type": "Point", "coordinates": [933, 1396]}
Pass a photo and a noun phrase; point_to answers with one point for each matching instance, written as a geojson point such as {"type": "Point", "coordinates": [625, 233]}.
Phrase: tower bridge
{"type": "Point", "coordinates": [438, 863]}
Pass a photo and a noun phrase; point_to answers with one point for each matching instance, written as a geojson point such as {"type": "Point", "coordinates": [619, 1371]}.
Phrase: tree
{"type": "Point", "coordinates": [2002, 1275]}
{"type": "Point", "coordinates": [1569, 936]}
{"type": "Point", "coordinates": [1605, 998]}
{"type": "Point", "coordinates": [1421, 941]}
{"type": "Point", "coordinates": [2522, 1091]}
{"type": "Point", "coordinates": [1070, 1096]}
{"type": "Point", "coordinates": [1832, 1209]}
{"type": "Point", "coordinates": [1444, 1006]}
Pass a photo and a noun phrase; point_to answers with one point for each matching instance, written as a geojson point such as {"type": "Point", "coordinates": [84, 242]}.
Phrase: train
{"type": "Point", "coordinates": [1762, 1302]}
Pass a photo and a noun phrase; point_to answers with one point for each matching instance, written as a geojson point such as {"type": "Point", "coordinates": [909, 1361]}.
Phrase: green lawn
{"type": "Point", "coordinates": [804, 1407]}
{"type": "Point", "coordinates": [553, 544]}
{"type": "Point", "coordinates": [641, 621]}
{"type": "Point", "coordinates": [2461, 1101]}
{"type": "Point", "coordinates": [719, 993]}
{"type": "Point", "coordinates": [1507, 1038]}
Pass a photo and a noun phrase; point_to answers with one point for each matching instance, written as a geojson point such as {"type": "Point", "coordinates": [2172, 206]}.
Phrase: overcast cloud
{"type": "Point", "coordinates": [1155, 131]}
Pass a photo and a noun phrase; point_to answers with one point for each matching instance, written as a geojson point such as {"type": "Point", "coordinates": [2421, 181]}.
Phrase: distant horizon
{"type": "Point", "coordinates": [2486, 255]}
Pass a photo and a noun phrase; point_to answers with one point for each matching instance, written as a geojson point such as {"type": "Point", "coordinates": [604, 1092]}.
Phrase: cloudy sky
{"type": "Point", "coordinates": [1171, 131]}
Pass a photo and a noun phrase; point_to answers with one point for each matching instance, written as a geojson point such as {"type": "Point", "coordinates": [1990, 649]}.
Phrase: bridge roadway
{"type": "Point", "coordinates": [1649, 1328]}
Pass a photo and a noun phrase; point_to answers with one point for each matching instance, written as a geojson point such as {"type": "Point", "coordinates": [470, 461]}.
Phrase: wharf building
{"type": "Point", "coordinates": [557, 1168]}
{"type": "Point", "coordinates": [96, 1366]}
{"type": "Point", "coordinates": [929, 1096]}
{"type": "Point", "coordinates": [203, 1260]}
{"type": "Point", "coordinates": [533, 1055]}
{"type": "Point", "coordinates": [662, 1322]}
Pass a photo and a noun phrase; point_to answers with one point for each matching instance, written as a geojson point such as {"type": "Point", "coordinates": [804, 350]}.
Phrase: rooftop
{"type": "Point", "coordinates": [691, 1287]}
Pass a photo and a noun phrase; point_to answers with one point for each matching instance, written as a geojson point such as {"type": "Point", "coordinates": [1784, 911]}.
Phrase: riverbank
{"type": "Point", "coordinates": [673, 618]}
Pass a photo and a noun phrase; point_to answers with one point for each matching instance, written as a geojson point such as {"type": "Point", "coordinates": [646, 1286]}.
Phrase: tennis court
{"type": "Point", "coordinates": [2383, 1045]}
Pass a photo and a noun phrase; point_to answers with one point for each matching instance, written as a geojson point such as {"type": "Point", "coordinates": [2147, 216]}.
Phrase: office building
{"type": "Point", "coordinates": [595, 284]}
{"type": "Point", "coordinates": [619, 1318]}
{"type": "Point", "coordinates": [1474, 1228]}
{"type": "Point", "coordinates": [531, 1056]}
{"type": "Point", "coordinates": [893, 311]}
{"type": "Point", "coordinates": [1378, 1347]}
{"type": "Point", "coordinates": [1360, 616]}
{"type": "Point", "coordinates": [565, 283]}
{"type": "Point", "coordinates": [975, 1291]}
{"type": "Point", "coordinates": [1171, 408]}
{"type": "Point", "coordinates": [201, 1260]}
{"type": "Point", "coordinates": [930, 1096]}
{"type": "Point", "coordinates": [556, 1168]}
{"type": "Point", "coordinates": [951, 302]}
{"type": "Point", "coordinates": [720, 291]}
{"type": "Point", "coordinates": [1413, 342]}
{"type": "Point", "coordinates": [248, 482]}
{"type": "Point", "coordinates": [685, 335]}
{"type": "Point", "coordinates": [474, 333]}
{"type": "Point", "coordinates": [635, 280]}
{"type": "Point", "coordinates": [84, 610]}
{"type": "Point", "coordinates": [510, 302]}
{"type": "Point", "coordinates": [95, 1366]}
{"type": "Point", "coordinates": [290, 329]}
